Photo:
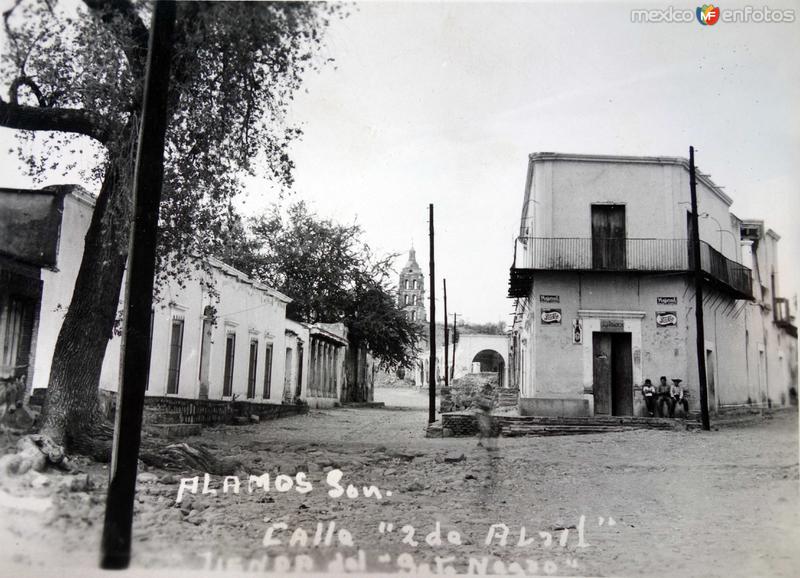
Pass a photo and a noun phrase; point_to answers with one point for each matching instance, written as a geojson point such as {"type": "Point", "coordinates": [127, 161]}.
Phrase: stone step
{"type": "Point", "coordinates": [508, 398]}
{"type": "Point", "coordinates": [624, 421]}
{"type": "Point", "coordinates": [533, 430]}
{"type": "Point", "coordinates": [161, 417]}
{"type": "Point", "coordinates": [434, 430]}
{"type": "Point", "coordinates": [367, 404]}
{"type": "Point", "coordinates": [175, 430]}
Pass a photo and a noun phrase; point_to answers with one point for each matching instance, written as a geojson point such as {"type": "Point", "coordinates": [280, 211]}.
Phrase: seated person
{"type": "Point", "coordinates": [663, 400]}
{"type": "Point", "coordinates": [677, 396]}
{"type": "Point", "coordinates": [649, 394]}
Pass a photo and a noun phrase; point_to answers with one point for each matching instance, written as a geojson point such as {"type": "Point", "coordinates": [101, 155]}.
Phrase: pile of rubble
{"type": "Point", "coordinates": [464, 392]}
{"type": "Point", "coordinates": [399, 379]}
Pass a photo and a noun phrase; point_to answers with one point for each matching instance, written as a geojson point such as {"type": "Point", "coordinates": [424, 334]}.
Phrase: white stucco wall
{"type": "Point", "coordinates": [296, 336]}
{"type": "Point", "coordinates": [242, 309]}
{"type": "Point", "coordinates": [251, 311]}
{"type": "Point", "coordinates": [57, 285]}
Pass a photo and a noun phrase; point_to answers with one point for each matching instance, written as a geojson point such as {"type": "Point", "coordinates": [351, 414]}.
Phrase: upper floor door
{"type": "Point", "coordinates": [608, 237]}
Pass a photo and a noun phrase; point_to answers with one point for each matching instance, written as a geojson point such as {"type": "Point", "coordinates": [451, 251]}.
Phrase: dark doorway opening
{"type": "Point", "coordinates": [491, 362]}
{"type": "Point", "coordinates": [613, 373]}
{"type": "Point", "coordinates": [712, 389]}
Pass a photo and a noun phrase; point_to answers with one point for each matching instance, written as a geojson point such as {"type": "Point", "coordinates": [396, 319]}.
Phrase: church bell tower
{"type": "Point", "coordinates": [411, 290]}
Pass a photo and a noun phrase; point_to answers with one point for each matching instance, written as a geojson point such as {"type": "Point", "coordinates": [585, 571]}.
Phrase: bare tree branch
{"type": "Point", "coordinates": [13, 90]}
{"type": "Point", "coordinates": [22, 117]}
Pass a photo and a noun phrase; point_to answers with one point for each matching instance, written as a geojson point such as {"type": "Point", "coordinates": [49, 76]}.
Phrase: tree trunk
{"type": "Point", "coordinates": [72, 413]}
{"type": "Point", "coordinates": [72, 416]}
{"type": "Point", "coordinates": [351, 370]}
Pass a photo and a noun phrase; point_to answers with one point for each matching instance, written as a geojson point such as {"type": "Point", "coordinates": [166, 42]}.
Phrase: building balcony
{"type": "Point", "coordinates": [624, 255]}
{"type": "Point", "coordinates": [783, 317]}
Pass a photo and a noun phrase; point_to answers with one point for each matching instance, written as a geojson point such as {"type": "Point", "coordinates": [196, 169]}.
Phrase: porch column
{"type": "Point", "coordinates": [330, 370]}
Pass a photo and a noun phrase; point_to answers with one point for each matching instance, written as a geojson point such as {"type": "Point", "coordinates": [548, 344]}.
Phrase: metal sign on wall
{"type": "Point", "coordinates": [549, 299]}
{"type": "Point", "coordinates": [666, 300]}
{"type": "Point", "coordinates": [551, 316]}
{"type": "Point", "coordinates": [612, 325]}
{"type": "Point", "coordinates": [666, 318]}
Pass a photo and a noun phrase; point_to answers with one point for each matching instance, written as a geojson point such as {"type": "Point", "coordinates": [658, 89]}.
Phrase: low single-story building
{"type": "Point", "coordinates": [230, 343]}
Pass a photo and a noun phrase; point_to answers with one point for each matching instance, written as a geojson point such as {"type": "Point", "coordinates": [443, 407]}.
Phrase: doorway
{"type": "Point", "coordinates": [299, 383]}
{"type": "Point", "coordinates": [488, 360]}
{"type": "Point", "coordinates": [712, 386]}
{"type": "Point", "coordinates": [608, 237]}
{"type": "Point", "coordinates": [613, 373]}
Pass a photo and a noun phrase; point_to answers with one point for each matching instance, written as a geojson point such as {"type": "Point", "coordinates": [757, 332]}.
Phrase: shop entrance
{"type": "Point", "coordinates": [613, 373]}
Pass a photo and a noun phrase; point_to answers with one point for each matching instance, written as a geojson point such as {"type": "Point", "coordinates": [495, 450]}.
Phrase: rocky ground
{"type": "Point", "coordinates": [654, 503]}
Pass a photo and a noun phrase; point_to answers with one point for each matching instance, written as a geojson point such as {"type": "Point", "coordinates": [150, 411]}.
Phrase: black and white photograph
{"type": "Point", "coordinates": [377, 288]}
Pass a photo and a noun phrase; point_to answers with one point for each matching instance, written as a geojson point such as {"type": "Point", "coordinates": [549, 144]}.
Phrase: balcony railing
{"type": "Point", "coordinates": [723, 270]}
{"type": "Point", "coordinates": [607, 254]}
{"type": "Point", "coordinates": [623, 254]}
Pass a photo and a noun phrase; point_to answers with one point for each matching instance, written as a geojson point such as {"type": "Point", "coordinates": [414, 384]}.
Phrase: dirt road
{"type": "Point", "coordinates": [637, 503]}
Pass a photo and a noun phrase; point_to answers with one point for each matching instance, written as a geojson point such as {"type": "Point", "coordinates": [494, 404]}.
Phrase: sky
{"type": "Point", "coordinates": [443, 102]}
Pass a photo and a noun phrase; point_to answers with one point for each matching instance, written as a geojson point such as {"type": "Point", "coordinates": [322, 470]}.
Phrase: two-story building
{"type": "Point", "coordinates": [604, 291]}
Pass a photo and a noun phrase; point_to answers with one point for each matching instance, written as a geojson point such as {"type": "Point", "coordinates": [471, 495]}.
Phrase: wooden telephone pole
{"type": "Point", "coordinates": [698, 297]}
{"type": "Point", "coordinates": [147, 181]}
{"type": "Point", "coordinates": [455, 340]}
{"type": "Point", "coordinates": [446, 338]}
{"type": "Point", "coordinates": [432, 344]}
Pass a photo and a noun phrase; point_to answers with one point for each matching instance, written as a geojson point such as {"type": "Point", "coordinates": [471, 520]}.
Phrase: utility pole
{"type": "Point", "coordinates": [698, 297]}
{"type": "Point", "coordinates": [432, 344]}
{"type": "Point", "coordinates": [455, 339]}
{"type": "Point", "coordinates": [446, 338]}
{"type": "Point", "coordinates": [147, 182]}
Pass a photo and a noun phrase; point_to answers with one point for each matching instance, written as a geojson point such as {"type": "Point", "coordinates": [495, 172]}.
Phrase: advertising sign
{"type": "Point", "coordinates": [577, 331]}
{"type": "Point", "coordinates": [551, 316]}
{"type": "Point", "coordinates": [665, 318]}
{"type": "Point", "coordinates": [612, 325]}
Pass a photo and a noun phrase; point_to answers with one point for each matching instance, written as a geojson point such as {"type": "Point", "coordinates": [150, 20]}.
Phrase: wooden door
{"type": "Point", "coordinates": [608, 237]}
{"type": "Point", "coordinates": [299, 383]}
{"type": "Point", "coordinates": [16, 332]}
{"type": "Point", "coordinates": [601, 353]}
{"type": "Point", "coordinates": [252, 369]}
{"type": "Point", "coordinates": [621, 374]}
{"type": "Point", "coordinates": [712, 389]}
{"type": "Point", "coordinates": [689, 236]}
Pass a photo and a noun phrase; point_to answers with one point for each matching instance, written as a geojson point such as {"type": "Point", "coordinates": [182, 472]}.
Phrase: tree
{"type": "Point", "coordinates": [331, 275]}
{"type": "Point", "coordinates": [76, 79]}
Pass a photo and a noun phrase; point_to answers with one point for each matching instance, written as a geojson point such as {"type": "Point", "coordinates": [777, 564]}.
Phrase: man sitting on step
{"type": "Point", "coordinates": [677, 396]}
{"type": "Point", "coordinates": [663, 399]}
